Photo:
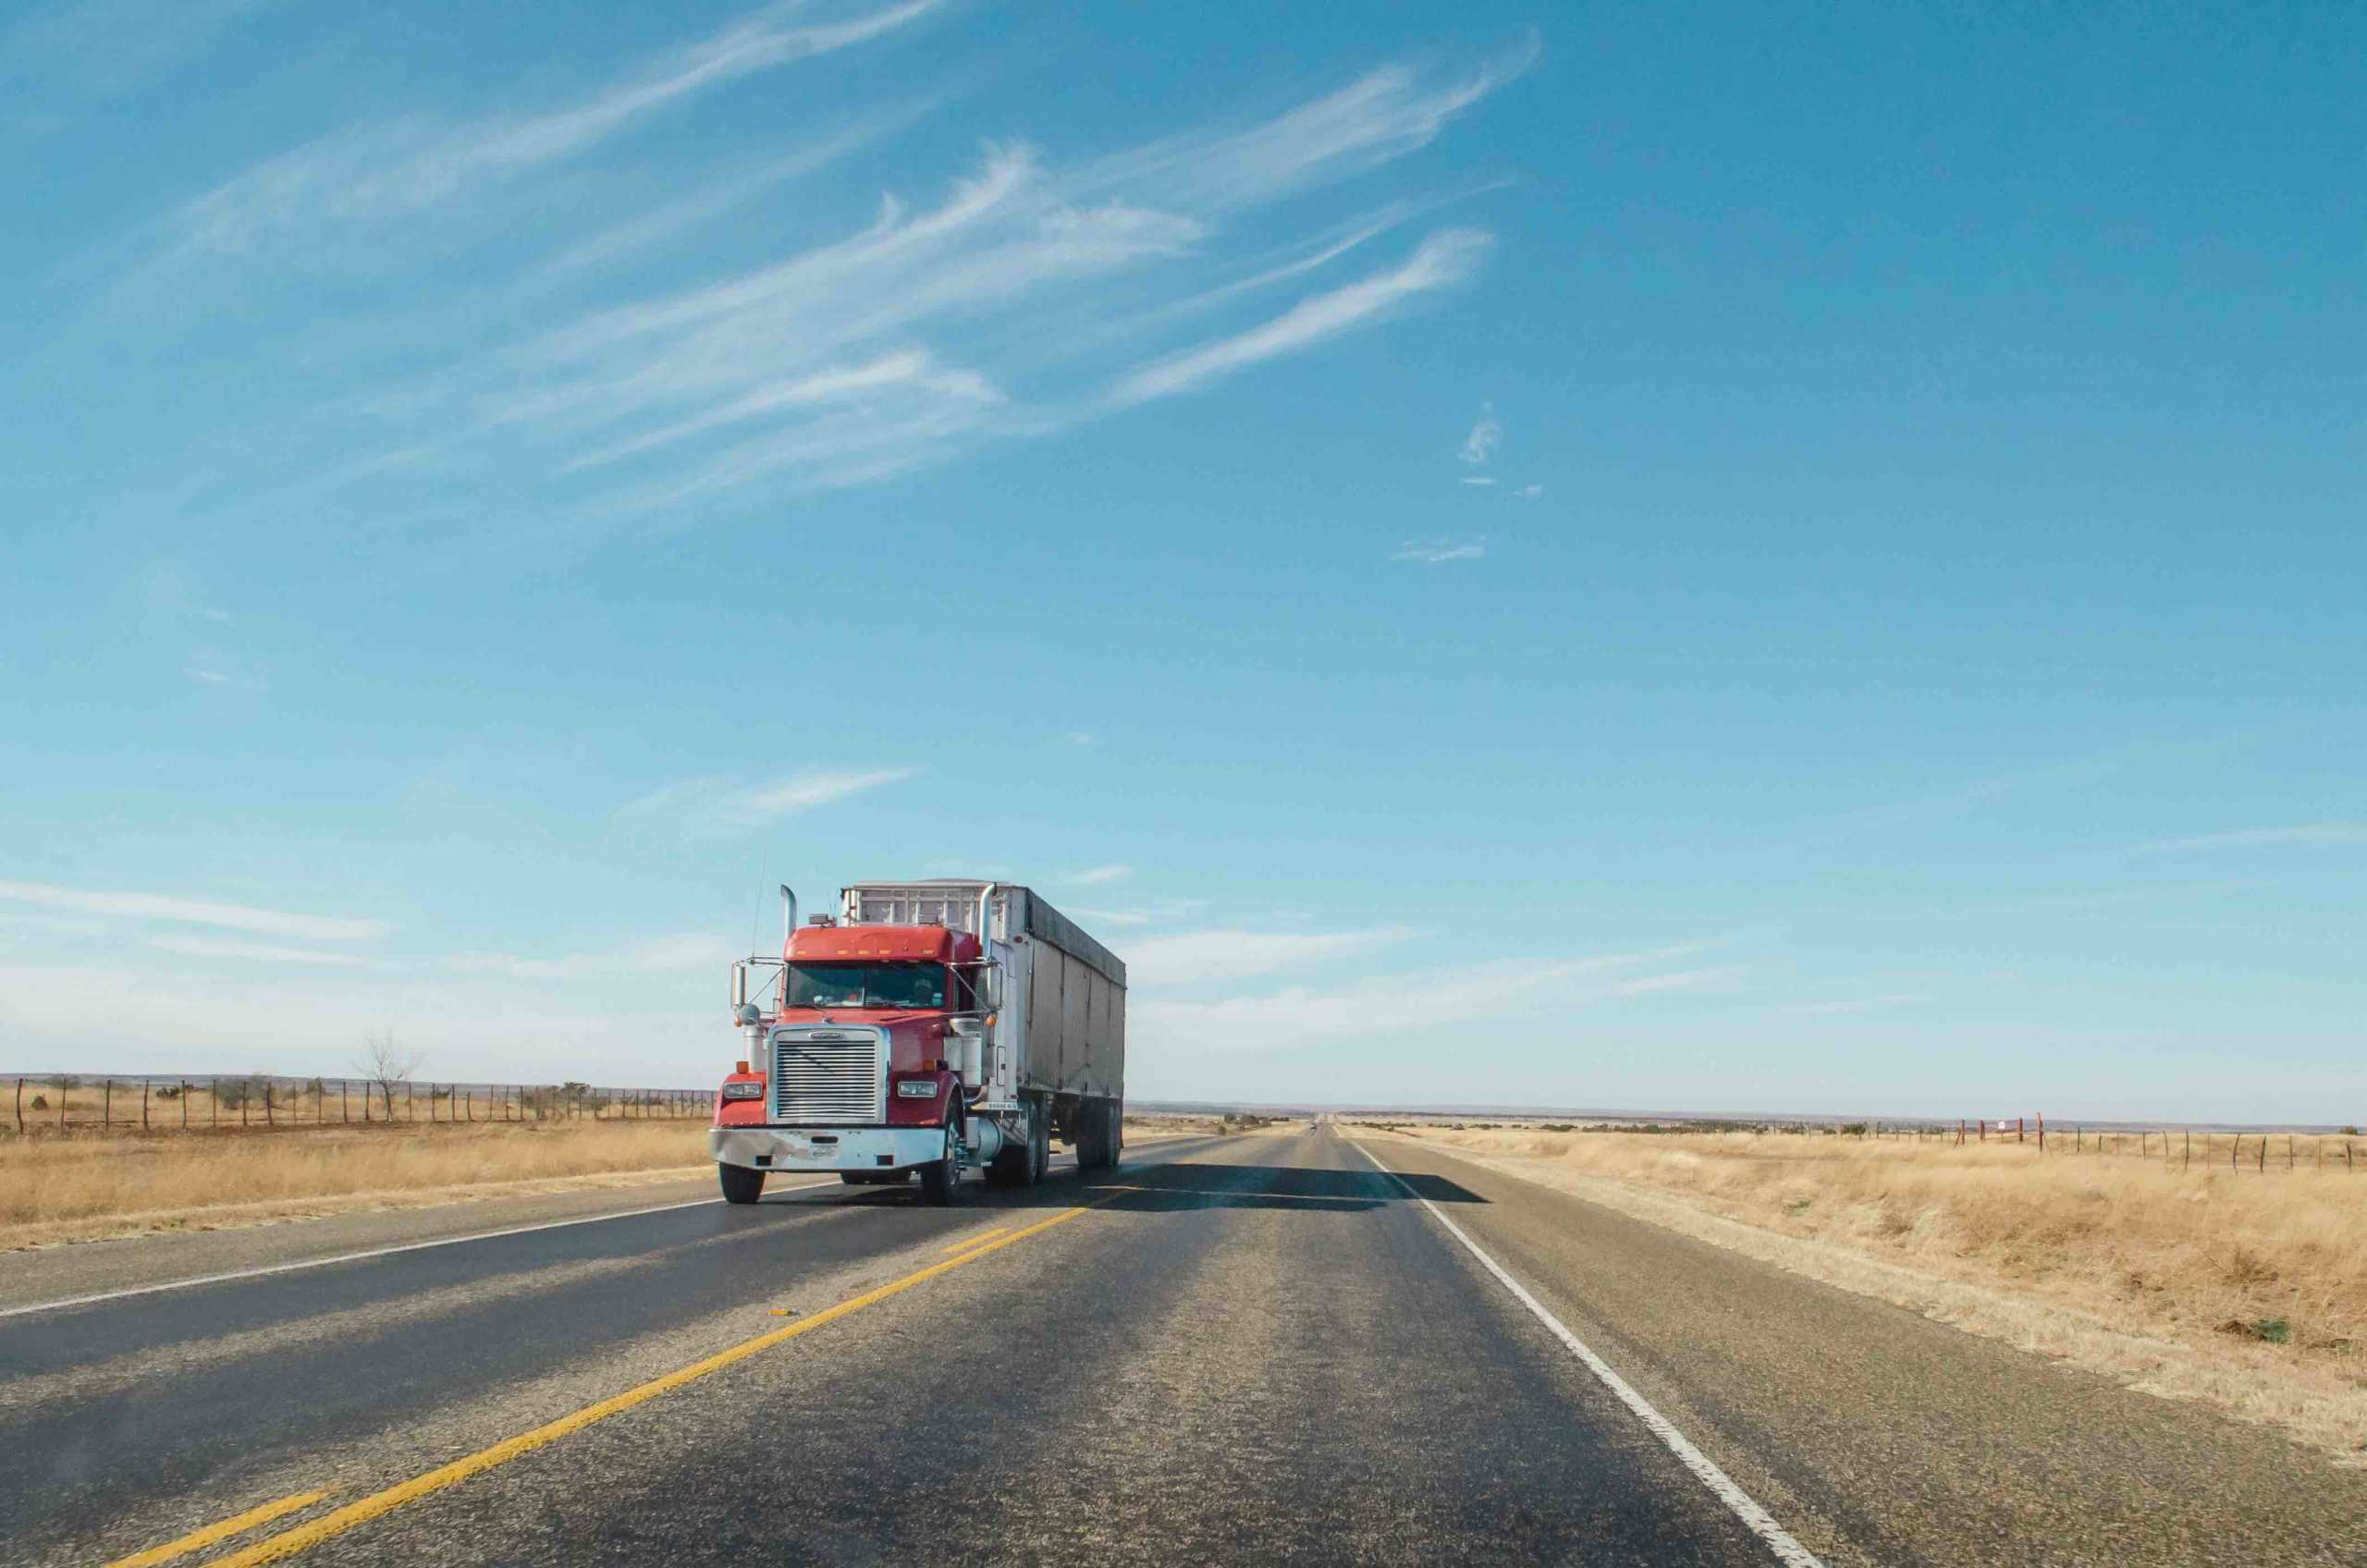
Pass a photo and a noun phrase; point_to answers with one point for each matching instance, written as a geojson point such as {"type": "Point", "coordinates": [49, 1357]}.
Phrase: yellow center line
{"type": "Point", "coordinates": [213, 1532]}
{"type": "Point", "coordinates": [974, 1241]}
{"type": "Point", "coordinates": [305, 1536]}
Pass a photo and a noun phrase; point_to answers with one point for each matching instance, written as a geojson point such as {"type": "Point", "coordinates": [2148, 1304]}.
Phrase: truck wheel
{"type": "Point", "coordinates": [740, 1183]}
{"type": "Point", "coordinates": [1039, 1147]}
{"type": "Point", "coordinates": [1099, 1135]}
{"type": "Point", "coordinates": [940, 1176]}
{"type": "Point", "coordinates": [1007, 1168]}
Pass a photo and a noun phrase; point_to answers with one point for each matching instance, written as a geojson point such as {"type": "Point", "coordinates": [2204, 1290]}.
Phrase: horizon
{"type": "Point", "coordinates": [1686, 557]}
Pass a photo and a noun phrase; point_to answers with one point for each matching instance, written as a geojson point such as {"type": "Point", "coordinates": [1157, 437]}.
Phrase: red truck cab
{"type": "Point", "coordinates": [855, 1067]}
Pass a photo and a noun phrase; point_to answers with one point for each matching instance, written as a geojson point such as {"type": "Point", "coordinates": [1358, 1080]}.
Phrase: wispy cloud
{"type": "Point", "coordinates": [1099, 876]}
{"type": "Point", "coordinates": [1467, 996]}
{"type": "Point", "coordinates": [1194, 957]}
{"type": "Point", "coordinates": [1382, 116]}
{"type": "Point", "coordinates": [1082, 738]}
{"type": "Point", "coordinates": [1529, 492]}
{"type": "Point", "coordinates": [1857, 1004]}
{"type": "Point", "coordinates": [254, 952]}
{"type": "Point", "coordinates": [699, 806]}
{"type": "Point", "coordinates": [377, 174]}
{"type": "Point", "coordinates": [1480, 445]}
{"type": "Point", "coordinates": [683, 953]}
{"type": "Point", "coordinates": [222, 667]}
{"type": "Point", "coordinates": [1442, 261]}
{"type": "Point", "coordinates": [2322, 835]}
{"type": "Point", "coordinates": [173, 910]}
{"type": "Point", "coordinates": [1478, 479]}
{"type": "Point", "coordinates": [1438, 552]}
{"type": "Point", "coordinates": [1676, 980]}
{"type": "Point", "coordinates": [107, 46]}
{"type": "Point", "coordinates": [1027, 297]}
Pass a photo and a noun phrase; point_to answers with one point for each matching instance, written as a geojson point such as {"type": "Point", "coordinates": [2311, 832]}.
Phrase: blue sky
{"type": "Point", "coordinates": [1692, 557]}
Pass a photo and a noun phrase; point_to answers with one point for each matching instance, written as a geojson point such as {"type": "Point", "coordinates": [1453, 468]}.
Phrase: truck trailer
{"type": "Point", "coordinates": [930, 1028]}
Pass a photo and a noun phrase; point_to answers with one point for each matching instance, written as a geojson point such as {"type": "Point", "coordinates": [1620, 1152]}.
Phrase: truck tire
{"type": "Point", "coordinates": [740, 1183]}
{"type": "Point", "coordinates": [1096, 1136]}
{"type": "Point", "coordinates": [1039, 1145]}
{"type": "Point", "coordinates": [1009, 1169]}
{"type": "Point", "coordinates": [940, 1177]}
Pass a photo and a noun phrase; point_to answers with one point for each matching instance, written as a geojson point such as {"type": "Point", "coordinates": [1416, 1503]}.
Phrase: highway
{"type": "Point", "coordinates": [1246, 1349]}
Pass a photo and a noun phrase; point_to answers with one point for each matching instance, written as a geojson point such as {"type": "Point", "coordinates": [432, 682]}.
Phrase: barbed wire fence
{"type": "Point", "coordinates": [106, 1103]}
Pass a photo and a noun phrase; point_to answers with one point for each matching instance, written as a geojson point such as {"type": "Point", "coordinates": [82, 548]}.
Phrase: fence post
{"type": "Point", "coordinates": [2259, 1159]}
{"type": "Point", "coordinates": [106, 1101]}
{"type": "Point", "coordinates": [62, 1095]}
{"type": "Point", "coordinates": [184, 1083]}
{"type": "Point", "coordinates": [2185, 1160]}
{"type": "Point", "coordinates": [21, 1102]}
{"type": "Point", "coordinates": [2288, 1151]}
{"type": "Point", "coordinates": [143, 1105]}
{"type": "Point", "coordinates": [268, 1118]}
{"type": "Point", "coordinates": [214, 1100]}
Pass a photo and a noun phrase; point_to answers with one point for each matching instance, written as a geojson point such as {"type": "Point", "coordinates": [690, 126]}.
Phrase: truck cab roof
{"type": "Point", "coordinates": [910, 944]}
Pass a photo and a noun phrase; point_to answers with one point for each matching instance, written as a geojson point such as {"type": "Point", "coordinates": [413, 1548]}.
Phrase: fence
{"type": "Point", "coordinates": [2177, 1148]}
{"type": "Point", "coordinates": [2180, 1149]}
{"type": "Point", "coordinates": [259, 1102]}
{"type": "Point", "coordinates": [2174, 1148]}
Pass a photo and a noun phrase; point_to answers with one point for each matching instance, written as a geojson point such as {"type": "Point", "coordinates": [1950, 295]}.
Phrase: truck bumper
{"type": "Point", "coordinates": [826, 1149]}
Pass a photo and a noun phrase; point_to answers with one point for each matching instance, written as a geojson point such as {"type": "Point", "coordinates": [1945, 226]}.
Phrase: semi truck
{"type": "Point", "coordinates": [930, 1028]}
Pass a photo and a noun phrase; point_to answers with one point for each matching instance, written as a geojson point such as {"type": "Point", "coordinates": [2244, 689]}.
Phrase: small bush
{"type": "Point", "coordinates": [2269, 1331]}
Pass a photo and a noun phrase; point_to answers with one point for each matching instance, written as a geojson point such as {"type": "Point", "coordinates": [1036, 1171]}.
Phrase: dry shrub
{"type": "Point", "coordinates": [2147, 1248]}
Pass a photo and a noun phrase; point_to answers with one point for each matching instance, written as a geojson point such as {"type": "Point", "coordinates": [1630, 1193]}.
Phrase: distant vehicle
{"type": "Point", "coordinates": [930, 1027]}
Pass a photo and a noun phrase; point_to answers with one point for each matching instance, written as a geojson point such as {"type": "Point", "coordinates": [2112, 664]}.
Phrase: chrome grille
{"type": "Point", "coordinates": [841, 1076]}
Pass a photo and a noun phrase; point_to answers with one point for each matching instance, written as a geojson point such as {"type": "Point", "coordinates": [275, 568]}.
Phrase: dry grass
{"type": "Point", "coordinates": [2243, 1289]}
{"type": "Point", "coordinates": [1144, 1126]}
{"type": "Point", "coordinates": [79, 1188]}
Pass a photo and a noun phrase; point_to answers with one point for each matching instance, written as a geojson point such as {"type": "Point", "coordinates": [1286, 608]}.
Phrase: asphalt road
{"type": "Point", "coordinates": [1241, 1349]}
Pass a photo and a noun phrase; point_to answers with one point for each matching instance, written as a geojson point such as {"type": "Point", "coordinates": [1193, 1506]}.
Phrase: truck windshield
{"type": "Point", "coordinates": [867, 984]}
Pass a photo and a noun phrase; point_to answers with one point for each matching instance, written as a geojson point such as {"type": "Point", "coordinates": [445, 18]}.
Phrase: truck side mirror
{"type": "Point", "coordinates": [990, 987]}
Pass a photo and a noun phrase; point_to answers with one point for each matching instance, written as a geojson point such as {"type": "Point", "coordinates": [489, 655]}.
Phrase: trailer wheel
{"type": "Point", "coordinates": [940, 1176]}
{"type": "Point", "coordinates": [1092, 1140]}
{"type": "Point", "coordinates": [1039, 1145]}
{"type": "Point", "coordinates": [1101, 1134]}
{"type": "Point", "coordinates": [740, 1183]}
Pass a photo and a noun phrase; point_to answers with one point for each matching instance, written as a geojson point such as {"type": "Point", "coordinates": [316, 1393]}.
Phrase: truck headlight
{"type": "Point", "coordinates": [917, 1089]}
{"type": "Point", "coordinates": [744, 1091]}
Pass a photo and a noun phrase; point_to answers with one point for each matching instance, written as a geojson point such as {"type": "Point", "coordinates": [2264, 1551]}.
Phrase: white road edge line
{"type": "Point", "coordinates": [362, 1256]}
{"type": "Point", "coordinates": [1762, 1523]}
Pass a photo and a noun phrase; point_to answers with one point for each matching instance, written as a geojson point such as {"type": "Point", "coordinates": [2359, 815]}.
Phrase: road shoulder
{"type": "Point", "coordinates": [1881, 1436]}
